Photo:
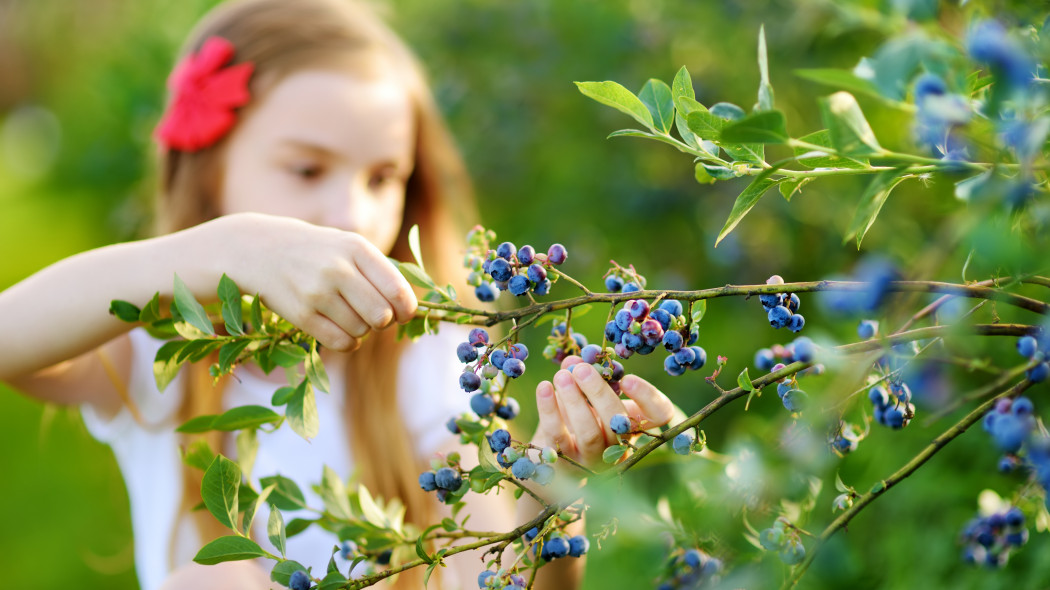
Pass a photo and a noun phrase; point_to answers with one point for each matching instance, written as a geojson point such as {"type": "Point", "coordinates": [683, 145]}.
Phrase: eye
{"type": "Point", "coordinates": [306, 170]}
{"type": "Point", "coordinates": [384, 176]}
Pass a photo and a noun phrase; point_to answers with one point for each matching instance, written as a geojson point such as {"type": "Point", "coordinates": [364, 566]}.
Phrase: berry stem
{"type": "Point", "coordinates": [571, 280]}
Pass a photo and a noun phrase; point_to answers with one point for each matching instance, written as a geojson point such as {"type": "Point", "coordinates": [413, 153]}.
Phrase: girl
{"type": "Point", "coordinates": [299, 145]}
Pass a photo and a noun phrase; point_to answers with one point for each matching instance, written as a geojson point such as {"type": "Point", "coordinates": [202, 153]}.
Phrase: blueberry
{"type": "Point", "coordinates": [482, 404]}
{"type": "Point", "coordinates": [620, 424]}
{"type": "Point", "coordinates": [622, 351]}
{"type": "Point", "coordinates": [929, 84]}
{"type": "Point", "coordinates": [1027, 346]}
{"type": "Point", "coordinates": [795, 400]}
{"type": "Point", "coordinates": [796, 323]}
{"type": "Point", "coordinates": [769, 300]}
{"type": "Point", "coordinates": [673, 340]}
{"type": "Point", "coordinates": [510, 455]}
{"type": "Point", "coordinates": [509, 410]}
{"type": "Point", "coordinates": [793, 303]}
{"type": "Point", "coordinates": [448, 478]}
{"type": "Point", "coordinates": [867, 329]}
{"type": "Point", "coordinates": [427, 481]}
{"type": "Point", "coordinates": [489, 371]}
{"type": "Point", "coordinates": [682, 443]}
{"type": "Point", "coordinates": [505, 251]}
{"type": "Point", "coordinates": [483, 578]}
{"type": "Point", "coordinates": [1022, 406]}
{"type": "Point", "coordinates": [623, 319]}
{"type": "Point", "coordinates": [513, 368]}
{"type": "Point", "coordinates": [518, 351]}
{"type": "Point", "coordinates": [469, 381]}
{"type": "Point", "coordinates": [764, 359]}
{"type": "Point", "coordinates": [646, 348]}
{"type": "Point", "coordinates": [988, 43]}
{"type": "Point", "coordinates": [537, 274]}
{"type": "Point", "coordinates": [663, 316]}
{"type": "Point", "coordinates": [452, 426]}
{"type": "Point", "coordinates": [1038, 373]}
{"type": "Point", "coordinates": [685, 356]}
{"type": "Point", "coordinates": [782, 388]}
{"type": "Point", "coordinates": [519, 285]}
{"type": "Point", "coordinates": [652, 332]}
{"type": "Point", "coordinates": [466, 352]}
{"type": "Point", "coordinates": [894, 417]}
{"type": "Point", "coordinates": [384, 557]}
{"type": "Point", "coordinates": [672, 367]}
{"type": "Point", "coordinates": [544, 474]}
{"type": "Point", "coordinates": [580, 339]}
{"type": "Point", "coordinates": [499, 440]}
{"type": "Point", "coordinates": [879, 397]}
{"type": "Point", "coordinates": [1009, 432]}
{"type": "Point", "coordinates": [523, 468]}
{"type": "Point", "coordinates": [779, 316]}
{"type": "Point", "coordinates": [557, 254]}
{"type": "Point", "coordinates": [501, 270]}
{"type": "Point", "coordinates": [771, 539]}
{"type": "Point", "coordinates": [590, 353]}
{"type": "Point", "coordinates": [694, 335]}
{"type": "Point", "coordinates": [902, 392]}
{"type": "Point", "coordinates": [478, 337]}
{"type": "Point", "coordinates": [633, 341]}
{"type": "Point", "coordinates": [613, 284]}
{"type": "Point", "coordinates": [613, 333]}
{"type": "Point", "coordinates": [638, 308]}
{"type": "Point", "coordinates": [497, 358]}
{"type": "Point", "coordinates": [299, 580]}
{"type": "Point", "coordinates": [485, 292]}
{"type": "Point", "coordinates": [1014, 517]}
{"type": "Point", "coordinates": [525, 254]}
{"type": "Point", "coordinates": [348, 549]}
{"type": "Point", "coordinates": [631, 287]}
{"type": "Point", "coordinates": [542, 288]}
{"type": "Point", "coordinates": [557, 547]}
{"type": "Point", "coordinates": [531, 534]}
{"type": "Point", "coordinates": [805, 350]}
{"type": "Point", "coordinates": [578, 545]}
{"type": "Point", "coordinates": [1017, 538]}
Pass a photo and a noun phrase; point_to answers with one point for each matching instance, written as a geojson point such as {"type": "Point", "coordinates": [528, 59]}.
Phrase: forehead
{"type": "Point", "coordinates": [358, 116]}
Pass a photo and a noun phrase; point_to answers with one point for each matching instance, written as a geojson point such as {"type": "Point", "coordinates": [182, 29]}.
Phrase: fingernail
{"type": "Point", "coordinates": [545, 390]}
{"type": "Point", "coordinates": [585, 372]}
{"type": "Point", "coordinates": [628, 383]}
{"type": "Point", "coordinates": [562, 379]}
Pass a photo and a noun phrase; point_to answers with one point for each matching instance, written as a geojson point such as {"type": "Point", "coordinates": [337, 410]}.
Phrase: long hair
{"type": "Point", "coordinates": [279, 38]}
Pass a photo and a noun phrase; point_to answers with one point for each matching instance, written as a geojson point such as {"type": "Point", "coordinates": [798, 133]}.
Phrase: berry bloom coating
{"type": "Point", "coordinates": [779, 316]}
{"type": "Point", "coordinates": [769, 300]}
{"type": "Point", "coordinates": [638, 308]}
{"type": "Point", "coordinates": [1022, 406]}
{"type": "Point", "coordinates": [796, 322]}
{"type": "Point", "coordinates": [544, 474]}
{"type": "Point", "coordinates": [867, 329]}
{"type": "Point", "coordinates": [518, 285]}
{"type": "Point", "coordinates": [478, 337]}
{"type": "Point", "coordinates": [485, 292]}
{"type": "Point", "coordinates": [299, 580]}
{"type": "Point", "coordinates": [1027, 346]}
{"type": "Point", "coordinates": [557, 254]}
{"type": "Point", "coordinates": [469, 381]}
{"type": "Point", "coordinates": [672, 306]}
{"type": "Point", "coordinates": [613, 284]}
{"type": "Point", "coordinates": [497, 357]}
{"type": "Point", "coordinates": [652, 331]}
{"type": "Point", "coordinates": [631, 287]}
{"type": "Point", "coordinates": [557, 547]}
{"type": "Point", "coordinates": [482, 404]}
{"type": "Point", "coordinates": [682, 443]}
{"type": "Point", "coordinates": [663, 316]}
{"type": "Point", "coordinates": [523, 468]}
{"type": "Point", "coordinates": [499, 440]}
{"type": "Point", "coordinates": [764, 359]}
{"type": "Point", "coordinates": [483, 578]}
{"type": "Point", "coordinates": [672, 367]}
{"type": "Point", "coordinates": [514, 368]}
{"type": "Point", "coordinates": [466, 352]}
{"type": "Point", "coordinates": [1038, 373]}
{"type": "Point", "coordinates": [578, 545]}
{"type": "Point", "coordinates": [623, 319]}
{"type": "Point", "coordinates": [536, 273]}
{"type": "Point", "coordinates": [699, 358]}
{"type": "Point", "coordinates": [879, 397]}
{"type": "Point", "coordinates": [509, 410]}
{"type": "Point", "coordinates": [795, 400]}
{"type": "Point", "coordinates": [427, 481]}
{"type": "Point", "coordinates": [501, 270]}
{"type": "Point", "coordinates": [1010, 432]}
{"type": "Point", "coordinates": [448, 478]}
{"type": "Point", "coordinates": [505, 250]}
{"type": "Point", "coordinates": [805, 350]}
{"type": "Point", "coordinates": [543, 288]}
{"type": "Point", "coordinates": [673, 340]}
{"type": "Point", "coordinates": [685, 356]}
{"type": "Point", "coordinates": [620, 424]}
{"type": "Point", "coordinates": [590, 353]}
{"type": "Point", "coordinates": [526, 254]}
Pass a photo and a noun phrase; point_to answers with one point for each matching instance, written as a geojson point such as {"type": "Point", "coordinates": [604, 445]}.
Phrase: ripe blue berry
{"type": "Point", "coordinates": [613, 284]}
{"type": "Point", "coordinates": [348, 549]}
{"type": "Point", "coordinates": [795, 400]}
{"type": "Point", "coordinates": [879, 397]}
{"type": "Point", "coordinates": [556, 547]}
{"type": "Point", "coordinates": [699, 358]}
{"type": "Point", "coordinates": [663, 316]}
{"type": "Point", "coordinates": [1010, 432]}
{"type": "Point", "coordinates": [682, 443]}
{"type": "Point", "coordinates": [485, 292]}
{"type": "Point", "coordinates": [805, 350]}
{"type": "Point", "coordinates": [505, 251]}
{"type": "Point", "coordinates": [498, 357]}
{"type": "Point", "coordinates": [523, 468]}
{"type": "Point", "coordinates": [452, 426]}
{"type": "Point", "coordinates": [1027, 346]}
{"type": "Point", "coordinates": [542, 288]}
{"type": "Point", "coordinates": [478, 337]}
{"type": "Point", "coordinates": [299, 580]}
{"type": "Point", "coordinates": [518, 285]}
{"type": "Point", "coordinates": [537, 274]}
{"type": "Point", "coordinates": [764, 359]}
{"type": "Point", "coordinates": [513, 368]}
{"type": "Point", "coordinates": [448, 478]}
{"type": "Point", "coordinates": [578, 545]}
{"type": "Point", "coordinates": [466, 352]}
{"type": "Point", "coordinates": [623, 319]}
{"type": "Point", "coordinates": [672, 306]}
{"type": "Point", "coordinates": [526, 254]}
{"type": "Point", "coordinates": [685, 356]}
{"type": "Point", "coordinates": [427, 481]}
{"type": "Point", "coordinates": [867, 329]}
{"type": "Point", "coordinates": [501, 270]}
{"type": "Point", "coordinates": [469, 381]}
{"type": "Point", "coordinates": [796, 322]}
{"type": "Point", "coordinates": [631, 287]}
{"type": "Point", "coordinates": [518, 351]}
{"type": "Point", "coordinates": [590, 353]}
{"type": "Point", "coordinates": [779, 316]}
{"type": "Point", "coordinates": [672, 367]}
{"type": "Point", "coordinates": [557, 254]}
{"type": "Point", "coordinates": [693, 558]}
{"type": "Point", "coordinates": [793, 302]}
{"type": "Point", "coordinates": [499, 440]}
{"type": "Point", "coordinates": [1038, 373]}
{"type": "Point", "coordinates": [620, 424]}
{"type": "Point", "coordinates": [509, 410]}
{"type": "Point", "coordinates": [1022, 406]}
{"type": "Point", "coordinates": [482, 404]}
{"type": "Point", "coordinates": [613, 333]}
{"type": "Point", "coordinates": [894, 417]}
{"type": "Point", "coordinates": [673, 340]}
{"type": "Point", "coordinates": [483, 578]}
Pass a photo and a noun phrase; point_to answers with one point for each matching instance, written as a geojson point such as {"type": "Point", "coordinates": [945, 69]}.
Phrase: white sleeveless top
{"type": "Point", "coordinates": [148, 455]}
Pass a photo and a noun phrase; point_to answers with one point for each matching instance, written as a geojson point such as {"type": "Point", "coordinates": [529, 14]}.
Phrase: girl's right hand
{"type": "Point", "coordinates": [333, 284]}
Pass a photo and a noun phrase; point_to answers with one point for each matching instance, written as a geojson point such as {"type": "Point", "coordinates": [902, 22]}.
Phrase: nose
{"type": "Point", "coordinates": [345, 206]}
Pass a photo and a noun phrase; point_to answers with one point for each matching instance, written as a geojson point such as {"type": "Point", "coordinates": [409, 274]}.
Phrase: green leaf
{"type": "Point", "coordinates": [287, 355]}
{"type": "Point", "coordinates": [824, 159]}
{"type": "Point", "coordinates": [229, 353]}
{"type": "Point", "coordinates": [765, 89]}
{"type": "Point", "coordinates": [656, 96]}
{"type": "Point", "coordinates": [843, 79]}
{"type": "Point", "coordinates": [232, 314]}
{"type": "Point", "coordinates": [701, 175]}
{"type": "Point", "coordinates": [315, 370]}
{"type": "Point", "coordinates": [333, 493]}
{"type": "Point", "coordinates": [256, 314]}
{"type": "Point", "coordinates": [282, 395]}
{"type": "Point", "coordinates": [416, 276]}
{"type": "Point", "coordinates": [839, 485]}
{"type": "Point", "coordinates": [286, 493]}
{"type": "Point", "coordinates": [275, 529]}
{"type": "Point", "coordinates": [789, 187]}
{"type": "Point", "coordinates": [198, 455]}
{"type": "Point", "coordinates": [614, 453]}
{"type": "Point", "coordinates": [332, 581]}
{"type": "Point", "coordinates": [124, 311]}
{"type": "Point", "coordinates": [420, 550]}
{"type": "Point", "coordinates": [202, 423]}
{"type": "Point", "coordinates": [704, 124]}
{"type": "Point", "coordinates": [851, 135]}
{"type": "Point", "coordinates": [745, 202]}
{"type": "Point", "coordinates": [283, 570]}
{"type": "Point", "coordinates": [413, 246]}
{"type": "Point", "coordinates": [229, 548]}
{"type": "Point", "coordinates": [699, 308]}
{"type": "Point", "coordinates": [614, 95]}
{"type": "Point", "coordinates": [245, 417]}
{"type": "Point", "coordinates": [720, 172]}
{"type": "Point", "coordinates": [682, 85]}
{"type": "Point", "coordinates": [369, 509]}
{"type": "Point", "coordinates": [219, 490]}
{"type": "Point", "coordinates": [190, 309]}
{"type": "Point", "coordinates": [166, 364]}
{"type": "Point", "coordinates": [302, 411]}
{"type": "Point", "coordinates": [151, 313]}
{"type": "Point", "coordinates": [763, 127]}
{"type": "Point", "coordinates": [247, 449]}
{"type": "Point", "coordinates": [744, 381]}
{"type": "Point", "coordinates": [871, 203]}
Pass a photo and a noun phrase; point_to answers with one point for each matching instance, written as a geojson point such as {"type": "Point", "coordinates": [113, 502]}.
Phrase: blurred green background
{"type": "Point", "coordinates": [81, 89]}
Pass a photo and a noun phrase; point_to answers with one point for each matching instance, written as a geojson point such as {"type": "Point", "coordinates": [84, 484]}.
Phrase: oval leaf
{"type": "Point", "coordinates": [245, 417]}
{"type": "Point", "coordinates": [745, 202]}
{"type": "Point", "coordinates": [851, 135]}
{"type": "Point", "coordinates": [229, 548]}
{"type": "Point", "coordinates": [613, 454]}
{"type": "Point", "coordinates": [190, 309]}
{"type": "Point", "coordinates": [656, 96]}
{"type": "Point", "coordinates": [616, 96]}
{"type": "Point", "coordinates": [764, 127]}
{"type": "Point", "coordinates": [219, 490]}
{"type": "Point", "coordinates": [302, 411]}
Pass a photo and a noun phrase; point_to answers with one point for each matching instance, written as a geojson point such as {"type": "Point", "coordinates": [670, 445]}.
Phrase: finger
{"type": "Point", "coordinates": [600, 396]}
{"type": "Point", "coordinates": [329, 334]}
{"type": "Point", "coordinates": [340, 312]}
{"type": "Point", "coordinates": [366, 299]}
{"type": "Point", "coordinates": [570, 360]}
{"type": "Point", "coordinates": [589, 434]}
{"type": "Point", "coordinates": [551, 430]}
{"type": "Point", "coordinates": [652, 402]}
{"type": "Point", "coordinates": [388, 281]}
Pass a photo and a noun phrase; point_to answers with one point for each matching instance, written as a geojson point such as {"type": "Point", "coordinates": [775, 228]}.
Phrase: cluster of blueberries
{"type": "Point", "coordinates": [987, 540]}
{"type": "Point", "coordinates": [562, 342]}
{"type": "Point", "coordinates": [682, 443]}
{"type": "Point", "coordinates": [517, 459]}
{"type": "Point", "coordinates": [444, 481]}
{"type": "Point", "coordinates": [802, 349]}
{"type": "Point", "coordinates": [518, 270]}
{"type": "Point", "coordinates": [489, 363]}
{"type": "Point", "coordinates": [624, 281]}
{"type": "Point", "coordinates": [639, 328]}
{"type": "Point", "coordinates": [844, 438]}
{"type": "Point", "coordinates": [1010, 422]}
{"type": "Point", "coordinates": [490, 580]}
{"type": "Point", "coordinates": [783, 539]}
{"type": "Point", "coordinates": [892, 404]}
{"type": "Point", "coordinates": [556, 545]}
{"type": "Point", "coordinates": [691, 568]}
{"type": "Point", "coordinates": [1034, 350]}
{"type": "Point", "coordinates": [782, 308]}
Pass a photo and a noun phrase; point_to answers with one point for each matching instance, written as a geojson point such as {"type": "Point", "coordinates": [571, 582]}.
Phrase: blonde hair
{"type": "Point", "coordinates": [279, 38]}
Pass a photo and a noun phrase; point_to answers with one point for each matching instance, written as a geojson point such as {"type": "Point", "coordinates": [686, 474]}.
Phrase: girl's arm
{"type": "Point", "coordinates": [333, 284]}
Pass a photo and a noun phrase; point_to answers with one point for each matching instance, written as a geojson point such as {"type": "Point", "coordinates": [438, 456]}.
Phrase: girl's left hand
{"type": "Point", "coordinates": [575, 410]}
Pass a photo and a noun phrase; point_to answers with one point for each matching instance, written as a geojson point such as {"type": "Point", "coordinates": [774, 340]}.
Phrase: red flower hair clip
{"type": "Point", "coordinates": [205, 96]}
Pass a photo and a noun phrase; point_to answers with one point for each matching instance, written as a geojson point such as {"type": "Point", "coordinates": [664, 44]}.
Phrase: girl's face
{"type": "Point", "coordinates": [326, 147]}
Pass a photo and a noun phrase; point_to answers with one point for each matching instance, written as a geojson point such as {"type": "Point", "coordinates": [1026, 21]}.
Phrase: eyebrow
{"type": "Point", "coordinates": [327, 151]}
